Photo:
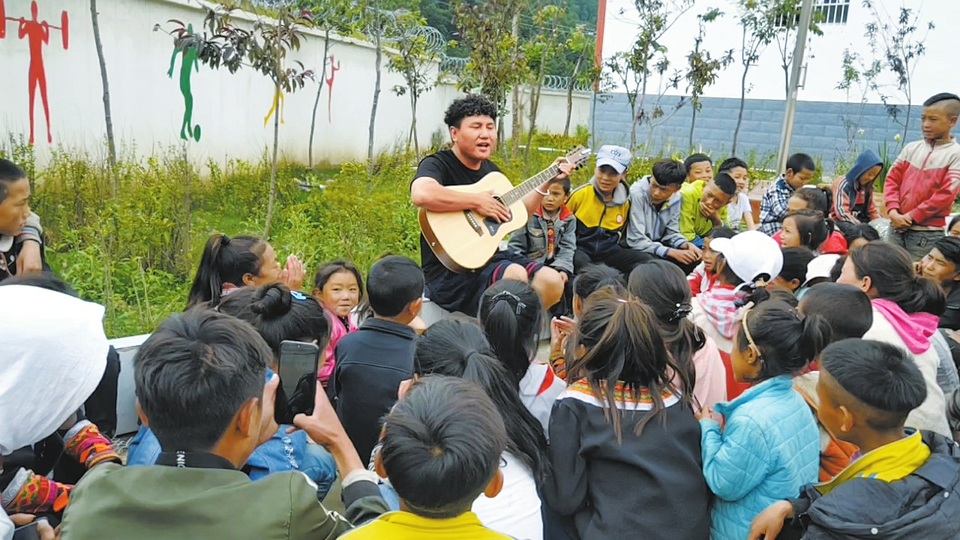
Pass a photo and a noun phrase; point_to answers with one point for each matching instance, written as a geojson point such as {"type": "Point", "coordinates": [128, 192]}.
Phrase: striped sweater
{"type": "Point", "coordinates": [924, 181]}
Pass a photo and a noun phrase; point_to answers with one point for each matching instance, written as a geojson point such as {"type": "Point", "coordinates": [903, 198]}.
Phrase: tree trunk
{"type": "Point", "coordinates": [273, 173]}
{"type": "Point", "coordinates": [316, 102]}
{"type": "Point", "coordinates": [573, 82]}
{"type": "Point", "coordinates": [413, 124]}
{"type": "Point", "coordinates": [516, 128]}
{"type": "Point", "coordinates": [376, 88]}
{"type": "Point", "coordinates": [111, 143]}
{"type": "Point", "coordinates": [534, 105]}
{"type": "Point", "coordinates": [743, 102]}
{"type": "Point", "coordinates": [693, 124]}
{"type": "Point", "coordinates": [906, 125]}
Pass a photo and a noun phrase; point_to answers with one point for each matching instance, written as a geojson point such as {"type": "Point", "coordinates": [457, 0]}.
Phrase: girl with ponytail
{"type": "Point", "coordinates": [456, 347]}
{"type": "Point", "coordinates": [623, 433]}
{"type": "Point", "coordinates": [230, 263]}
{"type": "Point", "coordinates": [906, 310]}
{"type": "Point", "coordinates": [662, 286]}
{"type": "Point", "coordinates": [511, 316]}
{"type": "Point", "coordinates": [815, 199]}
{"type": "Point", "coordinates": [769, 446]}
{"type": "Point", "coordinates": [805, 228]}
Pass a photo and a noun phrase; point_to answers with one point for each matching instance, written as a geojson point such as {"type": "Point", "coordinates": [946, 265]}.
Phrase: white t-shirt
{"type": "Point", "coordinates": [6, 526]}
{"type": "Point", "coordinates": [736, 210]}
{"type": "Point", "coordinates": [540, 403]}
{"type": "Point", "coordinates": [515, 512]}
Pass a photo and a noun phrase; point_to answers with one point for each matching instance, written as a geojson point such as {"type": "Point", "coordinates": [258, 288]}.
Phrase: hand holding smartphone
{"type": "Point", "coordinates": [297, 367]}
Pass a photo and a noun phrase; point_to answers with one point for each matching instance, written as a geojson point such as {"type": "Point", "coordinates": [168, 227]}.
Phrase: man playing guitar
{"type": "Point", "coordinates": [473, 130]}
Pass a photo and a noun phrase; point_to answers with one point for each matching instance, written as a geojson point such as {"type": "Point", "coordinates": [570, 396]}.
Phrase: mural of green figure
{"type": "Point", "coordinates": [188, 64]}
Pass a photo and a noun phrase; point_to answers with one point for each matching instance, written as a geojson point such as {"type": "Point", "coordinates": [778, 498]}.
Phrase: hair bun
{"type": "Point", "coordinates": [272, 301]}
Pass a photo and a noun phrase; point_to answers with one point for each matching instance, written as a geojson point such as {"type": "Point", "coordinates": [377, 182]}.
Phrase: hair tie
{"type": "Point", "coordinates": [224, 240]}
{"type": "Point", "coordinates": [507, 295]}
{"type": "Point", "coordinates": [683, 309]}
{"type": "Point", "coordinates": [297, 295]}
{"type": "Point", "coordinates": [622, 300]}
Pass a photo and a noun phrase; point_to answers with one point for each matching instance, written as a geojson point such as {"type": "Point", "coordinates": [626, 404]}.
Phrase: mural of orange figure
{"type": "Point", "coordinates": [38, 34]}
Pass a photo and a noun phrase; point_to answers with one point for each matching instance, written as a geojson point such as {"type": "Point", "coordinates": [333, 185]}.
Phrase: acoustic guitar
{"type": "Point", "coordinates": [465, 240]}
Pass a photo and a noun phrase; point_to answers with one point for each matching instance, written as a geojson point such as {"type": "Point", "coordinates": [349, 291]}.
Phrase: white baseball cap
{"type": "Point", "coordinates": [617, 157]}
{"type": "Point", "coordinates": [821, 266]}
{"type": "Point", "coordinates": [750, 254]}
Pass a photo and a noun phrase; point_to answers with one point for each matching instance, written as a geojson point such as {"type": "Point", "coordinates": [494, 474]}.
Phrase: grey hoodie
{"type": "Point", "coordinates": [650, 230]}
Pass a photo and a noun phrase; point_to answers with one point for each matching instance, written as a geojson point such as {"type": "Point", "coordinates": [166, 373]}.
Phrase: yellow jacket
{"type": "Point", "coordinates": [407, 526]}
{"type": "Point", "coordinates": [599, 223]}
{"type": "Point", "coordinates": [692, 222]}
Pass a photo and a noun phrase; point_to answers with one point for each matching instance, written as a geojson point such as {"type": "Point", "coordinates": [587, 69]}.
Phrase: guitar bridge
{"type": "Point", "coordinates": [472, 220]}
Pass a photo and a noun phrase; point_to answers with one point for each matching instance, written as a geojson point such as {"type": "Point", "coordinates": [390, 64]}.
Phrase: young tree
{"type": "Point", "coordinates": [264, 48]}
{"type": "Point", "coordinates": [633, 68]}
{"type": "Point", "coordinates": [702, 68]}
{"type": "Point", "coordinates": [861, 76]}
{"type": "Point", "coordinates": [496, 62]}
{"type": "Point", "coordinates": [377, 30]}
{"type": "Point", "coordinates": [329, 16]}
{"type": "Point", "coordinates": [111, 143]}
{"type": "Point", "coordinates": [582, 46]}
{"type": "Point", "coordinates": [786, 13]}
{"type": "Point", "coordinates": [758, 21]}
{"type": "Point", "coordinates": [545, 44]}
{"type": "Point", "coordinates": [900, 47]}
{"type": "Point", "coordinates": [416, 52]}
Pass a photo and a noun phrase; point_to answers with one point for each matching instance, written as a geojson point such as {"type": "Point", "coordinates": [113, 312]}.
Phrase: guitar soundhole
{"type": "Point", "coordinates": [492, 225]}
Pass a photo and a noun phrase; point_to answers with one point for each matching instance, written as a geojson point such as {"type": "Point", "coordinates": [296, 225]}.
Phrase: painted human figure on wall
{"type": "Point", "coordinates": [188, 64]}
{"type": "Point", "coordinates": [333, 73]}
{"type": "Point", "coordinates": [37, 34]}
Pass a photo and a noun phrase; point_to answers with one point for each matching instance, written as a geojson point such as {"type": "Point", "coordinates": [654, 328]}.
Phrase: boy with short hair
{"type": "Point", "coordinates": [739, 209]}
{"type": "Point", "coordinates": [601, 207]}
{"type": "Point", "coordinates": [903, 484]}
{"type": "Point", "coordinates": [773, 205]}
{"type": "Point", "coordinates": [923, 182]}
{"type": "Point", "coordinates": [550, 236]}
{"type": "Point", "coordinates": [654, 224]}
{"type": "Point", "coordinates": [441, 449]}
{"type": "Point", "coordinates": [704, 206]}
{"type": "Point", "coordinates": [21, 244]}
{"type": "Point", "coordinates": [942, 264]}
{"type": "Point", "coordinates": [699, 167]}
{"type": "Point", "coordinates": [372, 361]}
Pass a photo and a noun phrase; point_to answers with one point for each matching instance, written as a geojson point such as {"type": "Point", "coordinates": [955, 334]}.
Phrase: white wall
{"type": "Point", "coordinates": [824, 53]}
{"type": "Point", "coordinates": [148, 107]}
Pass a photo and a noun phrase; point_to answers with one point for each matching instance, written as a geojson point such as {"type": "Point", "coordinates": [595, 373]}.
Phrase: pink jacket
{"type": "Point", "coordinates": [711, 385]}
{"type": "Point", "coordinates": [337, 331]}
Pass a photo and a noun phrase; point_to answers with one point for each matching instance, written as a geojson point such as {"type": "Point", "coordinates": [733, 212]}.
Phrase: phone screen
{"type": "Point", "coordinates": [297, 369]}
{"type": "Point", "coordinates": [27, 532]}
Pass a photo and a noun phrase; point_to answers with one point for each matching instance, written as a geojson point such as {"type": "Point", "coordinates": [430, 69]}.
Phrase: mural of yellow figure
{"type": "Point", "coordinates": [277, 103]}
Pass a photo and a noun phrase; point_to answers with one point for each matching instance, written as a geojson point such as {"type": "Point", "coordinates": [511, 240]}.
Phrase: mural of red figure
{"type": "Point", "coordinates": [38, 34]}
{"type": "Point", "coordinates": [333, 73]}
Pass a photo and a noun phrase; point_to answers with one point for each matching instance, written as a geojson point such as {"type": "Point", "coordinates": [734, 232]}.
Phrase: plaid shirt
{"type": "Point", "coordinates": [773, 206]}
{"type": "Point", "coordinates": [720, 306]}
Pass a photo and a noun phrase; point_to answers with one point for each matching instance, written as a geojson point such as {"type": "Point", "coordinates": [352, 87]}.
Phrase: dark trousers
{"type": "Point", "coordinates": [101, 407]}
{"type": "Point", "coordinates": [622, 259]}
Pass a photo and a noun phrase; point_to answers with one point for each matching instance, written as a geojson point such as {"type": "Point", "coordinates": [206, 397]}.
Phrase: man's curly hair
{"type": "Point", "coordinates": [471, 105]}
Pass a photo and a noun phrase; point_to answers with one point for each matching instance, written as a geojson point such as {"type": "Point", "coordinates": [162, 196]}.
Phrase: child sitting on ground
{"type": "Point", "coordinates": [588, 282]}
{"type": "Point", "coordinates": [854, 202]}
{"type": "Point", "coordinates": [850, 315]}
{"type": "Point", "coordinates": [904, 482]}
{"type": "Point", "coordinates": [623, 426]}
{"type": "Point", "coordinates": [703, 276]}
{"type": "Point", "coordinates": [794, 271]}
{"type": "Point", "coordinates": [602, 207]}
{"type": "Point", "coordinates": [857, 234]}
{"type": "Point", "coordinates": [441, 449]}
{"type": "Point", "coordinates": [805, 228]}
{"type": "Point", "coordinates": [773, 206]}
{"type": "Point", "coordinates": [663, 287]}
{"type": "Point", "coordinates": [550, 238]}
{"type": "Point", "coordinates": [229, 263]}
{"type": "Point", "coordinates": [338, 286]}
{"type": "Point", "coordinates": [278, 314]}
{"type": "Point", "coordinates": [740, 210]}
{"type": "Point", "coordinates": [703, 206]}
{"type": "Point", "coordinates": [511, 316]}
{"type": "Point", "coordinates": [699, 167]}
{"type": "Point", "coordinates": [768, 446]}
{"type": "Point", "coordinates": [812, 198]}
{"type": "Point", "coordinates": [372, 361]}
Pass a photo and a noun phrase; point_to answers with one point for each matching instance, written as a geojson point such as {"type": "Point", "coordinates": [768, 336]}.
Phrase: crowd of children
{"type": "Point", "coordinates": [798, 379]}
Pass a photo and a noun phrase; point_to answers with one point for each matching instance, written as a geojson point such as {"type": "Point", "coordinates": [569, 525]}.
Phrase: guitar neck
{"type": "Point", "coordinates": [521, 191]}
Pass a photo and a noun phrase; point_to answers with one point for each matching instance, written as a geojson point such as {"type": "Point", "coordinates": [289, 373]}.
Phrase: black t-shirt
{"type": "Point", "coordinates": [447, 169]}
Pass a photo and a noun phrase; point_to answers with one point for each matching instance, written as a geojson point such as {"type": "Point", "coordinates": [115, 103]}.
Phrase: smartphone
{"type": "Point", "coordinates": [297, 368]}
{"type": "Point", "coordinates": [27, 532]}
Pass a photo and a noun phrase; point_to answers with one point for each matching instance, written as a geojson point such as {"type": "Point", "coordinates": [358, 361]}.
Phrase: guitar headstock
{"type": "Point", "coordinates": [578, 157]}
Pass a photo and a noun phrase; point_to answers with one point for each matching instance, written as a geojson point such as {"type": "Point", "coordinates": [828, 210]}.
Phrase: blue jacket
{"type": "Point", "coordinates": [769, 449]}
